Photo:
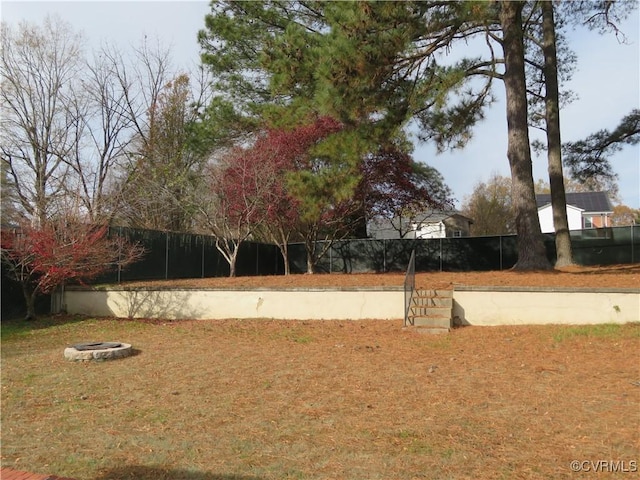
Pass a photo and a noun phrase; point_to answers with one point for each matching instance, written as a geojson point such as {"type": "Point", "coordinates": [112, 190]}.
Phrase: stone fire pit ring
{"type": "Point", "coordinates": [97, 351]}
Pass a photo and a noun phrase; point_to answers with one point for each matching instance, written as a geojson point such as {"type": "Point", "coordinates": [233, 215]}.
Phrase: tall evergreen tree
{"type": "Point", "coordinates": [9, 212]}
{"type": "Point", "coordinates": [378, 65]}
{"type": "Point", "coordinates": [589, 159]}
{"type": "Point", "coordinates": [531, 252]}
{"type": "Point", "coordinates": [546, 72]}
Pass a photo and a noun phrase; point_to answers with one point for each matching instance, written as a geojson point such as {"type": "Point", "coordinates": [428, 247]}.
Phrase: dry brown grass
{"type": "Point", "coordinates": [207, 400]}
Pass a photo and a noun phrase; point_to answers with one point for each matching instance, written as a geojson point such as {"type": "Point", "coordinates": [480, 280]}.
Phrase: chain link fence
{"type": "Point", "coordinates": [174, 255]}
{"type": "Point", "coordinates": [604, 246]}
{"type": "Point", "coordinates": [183, 255]}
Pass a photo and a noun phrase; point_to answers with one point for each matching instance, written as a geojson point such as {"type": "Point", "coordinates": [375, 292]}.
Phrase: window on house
{"type": "Point", "coordinates": [457, 233]}
{"type": "Point", "coordinates": [588, 222]}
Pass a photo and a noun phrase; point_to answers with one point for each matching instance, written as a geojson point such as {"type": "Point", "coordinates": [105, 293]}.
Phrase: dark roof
{"type": "Point", "coordinates": [436, 216]}
{"type": "Point", "coordinates": [587, 201]}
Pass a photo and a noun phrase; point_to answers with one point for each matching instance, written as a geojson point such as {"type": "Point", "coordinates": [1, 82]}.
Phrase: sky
{"type": "Point", "coordinates": [607, 82]}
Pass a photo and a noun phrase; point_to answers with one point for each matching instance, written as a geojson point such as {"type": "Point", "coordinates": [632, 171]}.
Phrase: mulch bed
{"type": "Point", "coordinates": [614, 276]}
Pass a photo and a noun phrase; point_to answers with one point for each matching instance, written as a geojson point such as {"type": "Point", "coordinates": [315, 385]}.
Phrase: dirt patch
{"type": "Point", "coordinates": [615, 276]}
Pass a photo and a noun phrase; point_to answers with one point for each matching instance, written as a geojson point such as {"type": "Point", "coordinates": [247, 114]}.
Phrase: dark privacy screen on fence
{"type": "Point", "coordinates": [446, 254]}
{"type": "Point", "coordinates": [607, 246]}
{"type": "Point", "coordinates": [176, 255]}
{"type": "Point", "coordinates": [183, 255]}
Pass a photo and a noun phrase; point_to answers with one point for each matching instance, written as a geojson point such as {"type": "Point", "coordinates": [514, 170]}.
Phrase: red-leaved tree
{"type": "Point", "coordinates": [395, 187]}
{"type": "Point", "coordinates": [249, 187]}
{"type": "Point", "coordinates": [43, 258]}
{"type": "Point", "coordinates": [238, 196]}
{"type": "Point", "coordinates": [282, 186]}
{"type": "Point", "coordinates": [285, 152]}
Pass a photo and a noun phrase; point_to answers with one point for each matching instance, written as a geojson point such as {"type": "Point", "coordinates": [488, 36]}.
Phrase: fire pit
{"type": "Point", "coordinates": [97, 351]}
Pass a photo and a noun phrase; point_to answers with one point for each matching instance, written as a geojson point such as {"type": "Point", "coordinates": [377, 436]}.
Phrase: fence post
{"type": "Point", "coordinates": [330, 258]}
{"type": "Point", "coordinates": [632, 247]}
{"type": "Point", "coordinates": [500, 249]}
{"type": "Point", "coordinates": [384, 256]}
{"type": "Point", "coordinates": [119, 258]}
{"type": "Point", "coordinates": [166, 256]}
{"type": "Point", "coordinates": [440, 242]}
{"type": "Point", "coordinates": [202, 236]}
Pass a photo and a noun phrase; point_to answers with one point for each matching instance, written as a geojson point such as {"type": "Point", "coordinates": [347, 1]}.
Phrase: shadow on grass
{"type": "Point", "coordinates": [20, 326]}
{"type": "Point", "coordinates": [135, 472]}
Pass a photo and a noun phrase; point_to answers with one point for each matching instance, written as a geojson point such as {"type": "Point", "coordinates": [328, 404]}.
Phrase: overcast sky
{"type": "Point", "coordinates": [607, 81]}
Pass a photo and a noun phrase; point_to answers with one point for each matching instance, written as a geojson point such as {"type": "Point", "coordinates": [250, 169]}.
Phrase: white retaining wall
{"type": "Point", "coordinates": [292, 304]}
{"type": "Point", "coordinates": [532, 306]}
{"type": "Point", "coordinates": [472, 305]}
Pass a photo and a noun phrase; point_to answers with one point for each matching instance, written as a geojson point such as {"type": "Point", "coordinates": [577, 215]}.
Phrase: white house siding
{"type": "Point", "coordinates": [574, 217]}
{"type": "Point", "coordinates": [430, 230]}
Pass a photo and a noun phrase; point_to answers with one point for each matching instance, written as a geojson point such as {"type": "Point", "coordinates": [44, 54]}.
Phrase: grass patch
{"type": "Point", "coordinates": [16, 328]}
{"type": "Point", "coordinates": [600, 331]}
{"type": "Point", "coordinates": [265, 399]}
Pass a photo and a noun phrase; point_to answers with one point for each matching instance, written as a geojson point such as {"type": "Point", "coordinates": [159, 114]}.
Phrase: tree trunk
{"type": "Point", "coordinates": [232, 261]}
{"type": "Point", "coordinates": [229, 250]}
{"type": "Point", "coordinates": [281, 239]}
{"type": "Point", "coordinates": [552, 113]}
{"type": "Point", "coordinates": [284, 250]}
{"type": "Point", "coordinates": [310, 244]}
{"type": "Point", "coordinates": [30, 302]}
{"type": "Point", "coordinates": [310, 264]}
{"type": "Point", "coordinates": [531, 250]}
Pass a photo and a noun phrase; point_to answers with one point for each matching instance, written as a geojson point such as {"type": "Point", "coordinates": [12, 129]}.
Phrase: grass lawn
{"type": "Point", "coordinates": [245, 400]}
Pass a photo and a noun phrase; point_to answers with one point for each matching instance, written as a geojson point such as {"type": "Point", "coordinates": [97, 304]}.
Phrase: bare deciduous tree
{"type": "Point", "coordinates": [104, 132]}
{"type": "Point", "coordinates": [236, 201]}
{"type": "Point", "coordinates": [84, 136]}
{"type": "Point", "coordinates": [38, 67]}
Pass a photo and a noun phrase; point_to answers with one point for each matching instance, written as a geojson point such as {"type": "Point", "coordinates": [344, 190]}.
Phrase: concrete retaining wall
{"type": "Point", "coordinates": [302, 304]}
{"type": "Point", "coordinates": [471, 306]}
{"type": "Point", "coordinates": [532, 306]}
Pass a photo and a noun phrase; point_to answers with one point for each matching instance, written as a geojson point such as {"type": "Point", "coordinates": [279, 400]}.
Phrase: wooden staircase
{"type": "Point", "coordinates": [430, 311]}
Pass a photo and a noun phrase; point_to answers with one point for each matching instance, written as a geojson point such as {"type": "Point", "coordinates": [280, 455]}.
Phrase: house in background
{"type": "Point", "coordinates": [584, 210]}
{"type": "Point", "coordinates": [431, 224]}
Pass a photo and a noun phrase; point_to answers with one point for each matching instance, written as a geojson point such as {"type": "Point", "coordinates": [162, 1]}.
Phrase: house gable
{"type": "Point", "coordinates": [434, 224]}
{"type": "Point", "coordinates": [545, 215]}
{"type": "Point", "coordinates": [595, 210]}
